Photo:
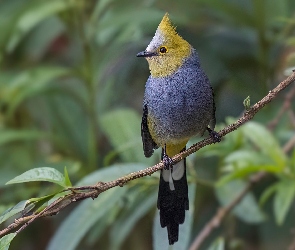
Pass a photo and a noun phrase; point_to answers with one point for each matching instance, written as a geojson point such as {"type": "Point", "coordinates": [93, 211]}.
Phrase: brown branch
{"type": "Point", "coordinates": [82, 193]}
{"type": "Point", "coordinates": [289, 145]}
{"type": "Point", "coordinates": [292, 117]}
{"type": "Point", "coordinates": [224, 211]}
{"type": "Point", "coordinates": [284, 108]}
{"type": "Point", "coordinates": [292, 245]}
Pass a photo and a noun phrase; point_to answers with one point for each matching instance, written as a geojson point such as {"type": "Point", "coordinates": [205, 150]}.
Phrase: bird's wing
{"type": "Point", "coordinates": [148, 143]}
{"type": "Point", "coordinates": [213, 119]}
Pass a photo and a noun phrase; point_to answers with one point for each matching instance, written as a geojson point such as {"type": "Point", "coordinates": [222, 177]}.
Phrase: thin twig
{"type": "Point", "coordinates": [292, 245]}
{"type": "Point", "coordinates": [289, 145]}
{"type": "Point", "coordinates": [284, 108]}
{"type": "Point", "coordinates": [82, 193]}
{"type": "Point", "coordinates": [292, 117]}
{"type": "Point", "coordinates": [222, 212]}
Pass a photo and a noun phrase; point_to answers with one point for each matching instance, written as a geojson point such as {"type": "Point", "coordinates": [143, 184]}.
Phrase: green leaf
{"type": "Point", "coordinates": [292, 162]}
{"type": "Point", "coordinates": [5, 241]}
{"type": "Point", "coordinates": [33, 17]}
{"type": "Point", "coordinates": [243, 162]}
{"type": "Point", "coordinates": [264, 139]}
{"type": "Point", "coordinates": [240, 173]}
{"type": "Point", "coordinates": [67, 178]}
{"type": "Point", "coordinates": [239, 14]}
{"type": "Point", "coordinates": [141, 202]}
{"type": "Point", "coordinates": [9, 135]}
{"type": "Point", "coordinates": [40, 174]}
{"type": "Point", "coordinates": [267, 193]}
{"type": "Point", "coordinates": [13, 211]}
{"type": "Point", "coordinates": [107, 220]}
{"type": "Point", "coordinates": [38, 42]}
{"type": "Point", "coordinates": [119, 25]}
{"type": "Point", "coordinates": [29, 83]}
{"type": "Point", "coordinates": [122, 127]}
{"type": "Point", "coordinates": [245, 158]}
{"type": "Point", "coordinates": [37, 203]}
{"type": "Point", "coordinates": [90, 211]}
{"type": "Point", "coordinates": [186, 228]}
{"type": "Point", "coordinates": [247, 103]}
{"type": "Point", "coordinates": [218, 244]}
{"type": "Point", "coordinates": [160, 238]}
{"type": "Point", "coordinates": [283, 199]}
{"type": "Point", "coordinates": [71, 128]}
{"type": "Point", "coordinates": [247, 210]}
{"type": "Point", "coordinates": [83, 217]}
{"type": "Point", "coordinates": [100, 7]}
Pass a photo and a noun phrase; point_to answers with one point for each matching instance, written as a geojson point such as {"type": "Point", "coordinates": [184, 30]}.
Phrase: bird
{"type": "Point", "coordinates": [178, 104]}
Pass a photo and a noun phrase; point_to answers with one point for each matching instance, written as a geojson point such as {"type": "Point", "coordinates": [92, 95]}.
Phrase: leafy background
{"type": "Point", "coordinates": [71, 90]}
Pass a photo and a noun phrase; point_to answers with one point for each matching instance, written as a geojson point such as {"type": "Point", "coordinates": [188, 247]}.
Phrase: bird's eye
{"type": "Point", "coordinates": [163, 50]}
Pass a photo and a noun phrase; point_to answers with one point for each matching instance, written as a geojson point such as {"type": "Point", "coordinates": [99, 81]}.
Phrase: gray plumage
{"type": "Point", "coordinates": [180, 105]}
{"type": "Point", "coordinates": [176, 108]}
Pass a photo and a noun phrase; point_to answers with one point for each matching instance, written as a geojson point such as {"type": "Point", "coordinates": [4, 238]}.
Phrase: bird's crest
{"type": "Point", "coordinates": [168, 49]}
{"type": "Point", "coordinates": [166, 27]}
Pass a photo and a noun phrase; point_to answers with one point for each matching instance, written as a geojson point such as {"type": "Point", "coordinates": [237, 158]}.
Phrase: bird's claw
{"type": "Point", "coordinates": [168, 162]}
{"type": "Point", "coordinates": [214, 135]}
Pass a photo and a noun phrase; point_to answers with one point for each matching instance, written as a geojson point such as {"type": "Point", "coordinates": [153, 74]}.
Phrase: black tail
{"type": "Point", "coordinates": [172, 204]}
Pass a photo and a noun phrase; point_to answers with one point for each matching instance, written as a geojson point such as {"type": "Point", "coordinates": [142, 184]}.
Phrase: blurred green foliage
{"type": "Point", "coordinates": [71, 90]}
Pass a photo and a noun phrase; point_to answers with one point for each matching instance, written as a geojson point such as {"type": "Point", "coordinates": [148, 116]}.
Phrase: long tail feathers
{"type": "Point", "coordinates": [173, 200]}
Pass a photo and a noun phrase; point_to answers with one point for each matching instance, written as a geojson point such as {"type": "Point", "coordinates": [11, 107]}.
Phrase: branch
{"type": "Point", "coordinates": [285, 107]}
{"type": "Point", "coordinates": [289, 145]}
{"type": "Point", "coordinates": [81, 193]}
{"type": "Point", "coordinates": [292, 117]}
{"type": "Point", "coordinates": [292, 245]}
{"type": "Point", "coordinates": [224, 211]}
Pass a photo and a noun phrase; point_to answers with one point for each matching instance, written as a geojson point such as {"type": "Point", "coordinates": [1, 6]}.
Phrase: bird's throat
{"type": "Point", "coordinates": [165, 65]}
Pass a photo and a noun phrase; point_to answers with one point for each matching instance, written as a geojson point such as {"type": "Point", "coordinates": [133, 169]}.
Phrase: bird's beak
{"type": "Point", "coordinates": [145, 54]}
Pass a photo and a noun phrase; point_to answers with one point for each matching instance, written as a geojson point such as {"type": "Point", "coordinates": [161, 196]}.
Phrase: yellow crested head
{"type": "Point", "coordinates": [167, 28]}
{"type": "Point", "coordinates": [167, 50]}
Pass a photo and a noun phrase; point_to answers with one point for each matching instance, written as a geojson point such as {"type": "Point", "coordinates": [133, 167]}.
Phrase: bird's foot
{"type": "Point", "coordinates": [214, 135]}
{"type": "Point", "coordinates": [168, 162]}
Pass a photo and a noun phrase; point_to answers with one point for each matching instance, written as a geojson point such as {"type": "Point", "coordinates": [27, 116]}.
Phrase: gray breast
{"type": "Point", "coordinates": [180, 105]}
